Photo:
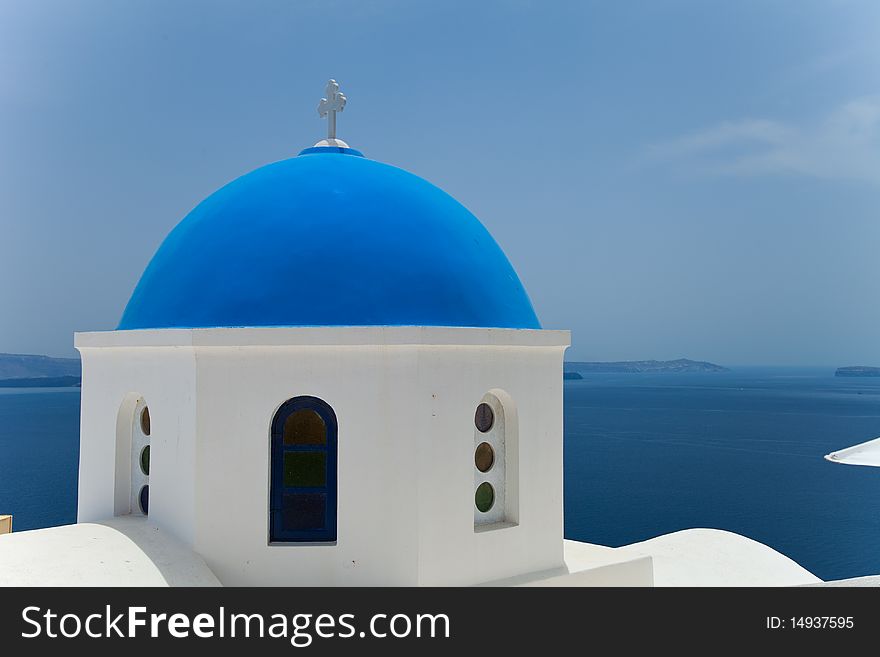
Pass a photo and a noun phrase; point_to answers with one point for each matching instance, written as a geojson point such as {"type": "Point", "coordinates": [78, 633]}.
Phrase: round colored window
{"type": "Point", "coordinates": [145, 421]}
{"type": "Point", "coordinates": [144, 499]}
{"type": "Point", "coordinates": [484, 457]}
{"type": "Point", "coordinates": [484, 418]}
{"type": "Point", "coordinates": [484, 498]}
{"type": "Point", "coordinates": [145, 460]}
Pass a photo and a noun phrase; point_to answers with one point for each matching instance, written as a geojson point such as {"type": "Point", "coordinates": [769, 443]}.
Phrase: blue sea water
{"type": "Point", "coordinates": [39, 455]}
{"type": "Point", "coordinates": [741, 451]}
{"type": "Point", "coordinates": [644, 455]}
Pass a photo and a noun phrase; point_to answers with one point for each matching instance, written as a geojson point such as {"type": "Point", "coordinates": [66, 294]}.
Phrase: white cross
{"type": "Point", "coordinates": [334, 102]}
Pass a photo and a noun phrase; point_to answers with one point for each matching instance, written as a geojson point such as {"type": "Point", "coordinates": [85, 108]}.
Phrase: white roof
{"type": "Point", "coordinates": [863, 454]}
{"type": "Point", "coordinates": [690, 557]}
{"type": "Point", "coordinates": [124, 551]}
{"type": "Point", "coordinates": [713, 557]}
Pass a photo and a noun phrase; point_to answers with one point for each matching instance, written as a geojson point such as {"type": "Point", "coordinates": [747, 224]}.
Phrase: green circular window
{"type": "Point", "coordinates": [484, 418]}
{"type": "Point", "coordinates": [145, 421]}
{"type": "Point", "coordinates": [145, 460]}
{"type": "Point", "coordinates": [484, 457]}
{"type": "Point", "coordinates": [484, 498]}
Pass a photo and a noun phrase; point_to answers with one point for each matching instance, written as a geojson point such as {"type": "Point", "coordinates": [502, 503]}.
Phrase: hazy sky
{"type": "Point", "coordinates": [681, 178]}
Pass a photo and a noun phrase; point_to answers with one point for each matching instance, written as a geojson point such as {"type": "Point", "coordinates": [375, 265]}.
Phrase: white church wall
{"type": "Point", "coordinates": [453, 551]}
{"type": "Point", "coordinates": [240, 390]}
{"type": "Point", "coordinates": [404, 399]}
{"type": "Point", "coordinates": [114, 380]}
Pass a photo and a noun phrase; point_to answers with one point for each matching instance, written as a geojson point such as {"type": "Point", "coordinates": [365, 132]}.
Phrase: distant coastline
{"type": "Point", "coordinates": [857, 370]}
{"type": "Point", "coordinates": [42, 382]}
{"type": "Point", "coordinates": [645, 366]}
{"type": "Point", "coordinates": [30, 366]}
{"type": "Point", "coordinates": [33, 371]}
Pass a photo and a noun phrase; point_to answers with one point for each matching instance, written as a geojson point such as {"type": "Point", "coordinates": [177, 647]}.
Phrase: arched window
{"type": "Point", "coordinates": [302, 497]}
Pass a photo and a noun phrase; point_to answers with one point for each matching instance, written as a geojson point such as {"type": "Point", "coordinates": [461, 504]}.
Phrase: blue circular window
{"type": "Point", "coordinates": [144, 499]}
{"type": "Point", "coordinates": [484, 418]}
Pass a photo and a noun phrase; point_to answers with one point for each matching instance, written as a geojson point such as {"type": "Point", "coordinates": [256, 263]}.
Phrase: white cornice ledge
{"type": "Point", "coordinates": [324, 336]}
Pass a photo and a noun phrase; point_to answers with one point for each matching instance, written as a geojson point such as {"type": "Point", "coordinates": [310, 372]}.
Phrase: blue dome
{"type": "Point", "coordinates": [329, 238]}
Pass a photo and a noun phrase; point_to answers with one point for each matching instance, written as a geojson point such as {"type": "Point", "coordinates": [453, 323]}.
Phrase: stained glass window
{"type": "Point", "coordinates": [304, 427]}
{"type": "Point", "coordinates": [304, 511]}
{"type": "Point", "coordinates": [145, 460]}
{"type": "Point", "coordinates": [484, 418]}
{"type": "Point", "coordinates": [144, 499]}
{"type": "Point", "coordinates": [484, 457]}
{"type": "Point", "coordinates": [484, 498]}
{"type": "Point", "coordinates": [305, 469]}
{"type": "Point", "coordinates": [303, 478]}
{"type": "Point", "coordinates": [145, 421]}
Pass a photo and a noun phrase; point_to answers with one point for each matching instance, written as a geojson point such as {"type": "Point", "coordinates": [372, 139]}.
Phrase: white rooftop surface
{"type": "Point", "coordinates": [868, 581]}
{"type": "Point", "coordinates": [587, 564]}
{"type": "Point", "coordinates": [692, 557]}
{"type": "Point", "coordinates": [863, 454]}
{"type": "Point", "coordinates": [129, 551]}
{"type": "Point", "coordinates": [712, 557]}
{"type": "Point", "coordinates": [124, 551]}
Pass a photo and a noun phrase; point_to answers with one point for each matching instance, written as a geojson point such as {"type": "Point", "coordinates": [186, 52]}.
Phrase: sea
{"type": "Point", "coordinates": [645, 454]}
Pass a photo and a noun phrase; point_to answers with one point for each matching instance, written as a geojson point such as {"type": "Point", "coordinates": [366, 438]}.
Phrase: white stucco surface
{"type": "Point", "coordinates": [587, 564]}
{"type": "Point", "coordinates": [868, 581]}
{"type": "Point", "coordinates": [124, 551]}
{"type": "Point", "coordinates": [712, 557]}
{"type": "Point", "coordinates": [131, 551]}
{"type": "Point", "coordinates": [693, 557]}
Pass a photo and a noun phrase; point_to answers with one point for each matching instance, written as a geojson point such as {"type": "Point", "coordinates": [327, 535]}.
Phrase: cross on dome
{"type": "Point", "coordinates": [328, 107]}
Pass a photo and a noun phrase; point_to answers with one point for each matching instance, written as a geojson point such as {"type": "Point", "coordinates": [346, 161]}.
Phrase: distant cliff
{"type": "Point", "coordinates": [858, 370]}
{"type": "Point", "coordinates": [568, 376]}
{"type": "Point", "coordinates": [650, 366]}
{"type": "Point", "coordinates": [21, 366]}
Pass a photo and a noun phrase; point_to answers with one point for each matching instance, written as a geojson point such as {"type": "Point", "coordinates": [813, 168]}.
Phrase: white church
{"type": "Point", "coordinates": [330, 374]}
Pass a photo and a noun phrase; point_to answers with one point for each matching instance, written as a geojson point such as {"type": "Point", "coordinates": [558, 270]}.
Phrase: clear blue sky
{"type": "Point", "coordinates": [680, 178]}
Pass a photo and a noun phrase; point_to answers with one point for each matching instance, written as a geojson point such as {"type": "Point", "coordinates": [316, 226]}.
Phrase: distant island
{"type": "Point", "coordinates": [642, 366]}
{"type": "Point", "coordinates": [858, 370]}
{"type": "Point", "coordinates": [21, 366]}
{"type": "Point", "coordinates": [42, 382]}
{"type": "Point", "coordinates": [31, 371]}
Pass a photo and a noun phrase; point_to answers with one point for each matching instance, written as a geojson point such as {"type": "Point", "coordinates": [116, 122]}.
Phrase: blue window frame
{"type": "Point", "coordinates": [302, 496]}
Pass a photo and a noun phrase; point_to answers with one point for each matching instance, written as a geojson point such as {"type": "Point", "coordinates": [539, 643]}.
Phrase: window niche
{"type": "Point", "coordinates": [495, 462]}
{"type": "Point", "coordinates": [132, 476]}
{"type": "Point", "coordinates": [140, 460]}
